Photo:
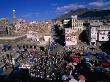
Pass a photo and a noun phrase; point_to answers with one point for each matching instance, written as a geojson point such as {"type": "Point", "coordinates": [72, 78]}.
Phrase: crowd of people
{"type": "Point", "coordinates": [44, 65]}
{"type": "Point", "coordinates": [66, 66]}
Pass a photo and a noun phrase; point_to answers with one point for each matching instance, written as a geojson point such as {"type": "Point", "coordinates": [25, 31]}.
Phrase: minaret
{"type": "Point", "coordinates": [14, 17]}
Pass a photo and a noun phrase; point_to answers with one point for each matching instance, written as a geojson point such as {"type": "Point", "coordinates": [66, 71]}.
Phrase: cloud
{"type": "Point", "coordinates": [70, 6]}
{"type": "Point", "coordinates": [100, 4]}
{"type": "Point", "coordinates": [66, 8]}
{"type": "Point", "coordinates": [97, 4]}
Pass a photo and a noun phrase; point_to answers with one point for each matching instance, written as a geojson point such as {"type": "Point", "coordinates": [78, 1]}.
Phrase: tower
{"type": "Point", "coordinates": [74, 20]}
{"type": "Point", "coordinates": [14, 17]}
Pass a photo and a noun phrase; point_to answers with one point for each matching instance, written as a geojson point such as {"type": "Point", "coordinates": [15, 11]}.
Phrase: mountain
{"type": "Point", "coordinates": [86, 13]}
{"type": "Point", "coordinates": [98, 14]}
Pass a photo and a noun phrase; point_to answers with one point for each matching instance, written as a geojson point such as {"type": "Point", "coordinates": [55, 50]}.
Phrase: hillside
{"type": "Point", "coordinates": [87, 13]}
{"type": "Point", "coordinates": [100, 14]}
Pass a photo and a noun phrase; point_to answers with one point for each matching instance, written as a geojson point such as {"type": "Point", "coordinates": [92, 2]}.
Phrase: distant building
{"type": "Point", "coordinates": [92, 35]}
{"type": "Point", "coordinates": [73, 27]}
{"type": "Point", "coordinates": [77, 24]}
{"type": "Point", "coordinates": [65, 21]}
{"type": "Point", "coordinates": [36, 36]}
{"type": "Point", "coordinates": [70, 37]}
{"type": "Point", "coordinates": [33, 22]}
{"type": "Point", "coordinates": [95, 22]}
{"type": "Point", "coordinates": [98, 33]}
{"type": "Point", "coordinates": [47, 38]}
{"type": "Point", "coordinates": [4, 21]}
{"type": "Point", "coordinates": [20, 23]}
{"type": "Point", "coordinates": [4, 26]}
{"type": "Point", "coordinates": [21, 26]}
{"type": "Point", "coordinates": [103, 33]}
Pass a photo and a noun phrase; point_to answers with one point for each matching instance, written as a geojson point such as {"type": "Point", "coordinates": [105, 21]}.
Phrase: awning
{"type": "Point", "coordinates": [87, 53]}
{"type": "Point", "coordinates": [100, 54]}
{"type": "Point", "coordinates": [75, 59]}
{"type": "Point", "coordinates": [8, 46]}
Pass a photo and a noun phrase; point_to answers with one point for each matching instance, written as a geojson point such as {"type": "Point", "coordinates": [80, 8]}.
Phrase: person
{"type": "Point", "coordinates": [71, 79]}
{"type": "Point", "coordinates": [64, 77]}
{"type": "Point", "coordinates": [81, 78]}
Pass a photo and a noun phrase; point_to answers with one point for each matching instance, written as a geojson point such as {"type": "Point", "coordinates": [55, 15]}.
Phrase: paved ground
{"type": "Point", "coordinates": [8, 71]}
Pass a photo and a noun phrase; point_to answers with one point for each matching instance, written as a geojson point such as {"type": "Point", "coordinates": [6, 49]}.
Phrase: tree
{"type": "Point", "coordinates": [83, 36]}
{"type": "Point", "coordinates": [7, 30]}
{"type": "Point", "coordinates": [59, 34]}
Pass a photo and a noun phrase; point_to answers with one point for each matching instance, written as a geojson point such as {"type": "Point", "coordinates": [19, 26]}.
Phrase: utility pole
{"type": "Point", "coordinates": [49, 47]}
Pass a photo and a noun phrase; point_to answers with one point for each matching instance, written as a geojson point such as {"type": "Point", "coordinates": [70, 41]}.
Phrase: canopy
{"type": "Point", "coordinates": [87, 53]}
{"type": "Point", "coordinates": [108, 57]}
{"type": "Point", "coordinates": [105, 64]}
{"type": "Point", "coordinates": [75, 59]}
{"type": "Point", "coordinates": [8, 46]}
{"type": "Point", "coordinates": [100, 54]}
{"type": "Point", "coordinates": [104, 58]}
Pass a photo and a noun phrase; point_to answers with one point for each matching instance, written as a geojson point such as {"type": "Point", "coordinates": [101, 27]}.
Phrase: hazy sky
{"type": "Point", "coordinates": [46, 9]}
